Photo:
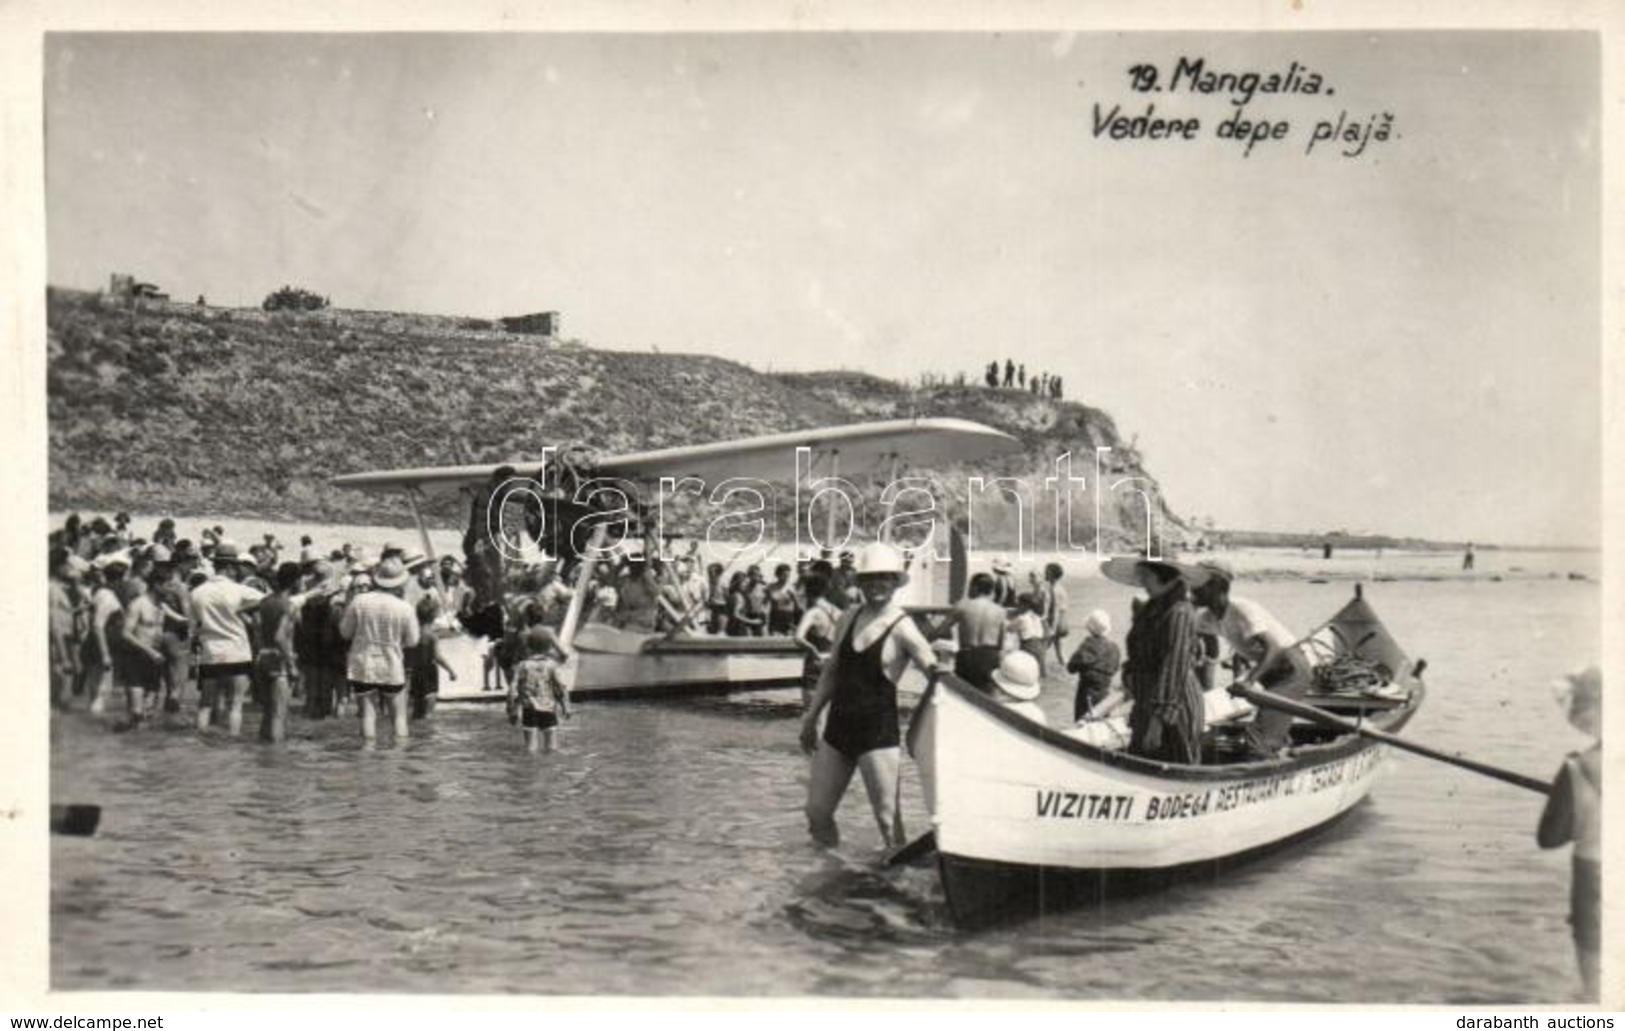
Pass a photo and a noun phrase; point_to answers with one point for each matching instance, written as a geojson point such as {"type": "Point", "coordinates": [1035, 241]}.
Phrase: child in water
{"type": "Point", "coordinates": [538, 696]}
{"type": "Point", "coordinates": [1574, 813]}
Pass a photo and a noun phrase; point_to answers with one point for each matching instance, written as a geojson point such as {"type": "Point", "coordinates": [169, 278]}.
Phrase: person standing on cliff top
{"type": "Point", "coordinates": [1009, 372]}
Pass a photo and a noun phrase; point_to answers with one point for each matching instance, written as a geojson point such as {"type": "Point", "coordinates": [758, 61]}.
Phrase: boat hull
{"type": "Point", "coordinates": [983, 893]}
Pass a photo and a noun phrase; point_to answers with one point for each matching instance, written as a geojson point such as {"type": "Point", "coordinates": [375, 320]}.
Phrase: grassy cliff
{"type": "Point", "coordinates": [174, 408]}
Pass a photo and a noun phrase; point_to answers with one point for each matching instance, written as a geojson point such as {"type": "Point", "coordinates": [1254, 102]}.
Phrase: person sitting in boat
{"type": "Point", "coordinates": [694, 588]}
{"type": "Point", "coordinates": [756, 601]}
{"type": "Point", "coordinates": [783, 604]}
{"type": "Point", "coordinates": [1017, 683]}
{"type": "Point", "coordinates": [876, 641]}
{"type": "Point", "coordinates": [979, 624]}
{"type": "Point", "coordinates": [843, 587]}
{"type": "Point", "coordinates": [1276, 663]}
{"type": "Point", "coordinates": [742, 622]}
{"type": "Point", "coordinates": [1095, 662]}
{"type": "Point", "coordinates": [672, 614]}
{"type": "Point", "coordinates": [1160, 677]}
{"type": "Point", "coordinates": [1574, 813]}
{"type": "Point", "coordinates": [717, 597]}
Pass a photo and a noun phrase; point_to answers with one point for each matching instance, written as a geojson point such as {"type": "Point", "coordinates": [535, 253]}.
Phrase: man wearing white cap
{"type": "Point", "coordinates": [225, 653]}
{"type": "Point", "coordinates": [380, 627]}
{"type": "Point", "coordinates": [1255, 635]}
{"type": "Point", "coordinates": [875, 642]}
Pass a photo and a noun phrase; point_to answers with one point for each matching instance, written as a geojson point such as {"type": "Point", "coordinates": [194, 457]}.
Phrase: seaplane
{"type": "Point", "coordinates": [586, 512]}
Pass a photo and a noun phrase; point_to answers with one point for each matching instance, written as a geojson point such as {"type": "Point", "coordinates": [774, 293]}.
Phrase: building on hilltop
{"type": "Point", "coordinates": [545, 323]}
{"type": "Point", "coordinates": [127, 288]}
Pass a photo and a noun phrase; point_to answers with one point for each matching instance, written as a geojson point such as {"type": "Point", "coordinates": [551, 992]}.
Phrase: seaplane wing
{"type": "Point", "coordinates": [857, 448]}
{"type": "Point", "coordinates": [851, 450]}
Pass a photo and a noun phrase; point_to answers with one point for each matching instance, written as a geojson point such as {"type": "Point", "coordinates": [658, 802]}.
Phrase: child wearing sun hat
{"type": "Point", "coordinates": [1016, 685]}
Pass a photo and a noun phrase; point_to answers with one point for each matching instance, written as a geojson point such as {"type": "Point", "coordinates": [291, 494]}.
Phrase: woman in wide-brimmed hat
{"type": "Point", "coordinates": [1160, 674]}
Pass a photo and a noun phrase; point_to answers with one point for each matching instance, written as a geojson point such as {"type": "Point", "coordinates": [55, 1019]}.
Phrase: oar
{"type": "Point", "coordinates": [76, 820]}
{"type": "Point", "coordinates": [921, 846]}
{"type": "Point", "coordinates": [1321, 716]}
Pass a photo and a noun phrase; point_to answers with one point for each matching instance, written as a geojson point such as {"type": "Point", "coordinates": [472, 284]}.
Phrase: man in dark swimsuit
{"type": "Point", "coordinates": [859, 686]}
{"type": "Point", "coordinates": [981, 633]}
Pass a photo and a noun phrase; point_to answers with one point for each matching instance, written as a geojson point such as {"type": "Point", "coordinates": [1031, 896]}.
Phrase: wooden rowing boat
{"type": "Point", "coordinates": [1027, 818]}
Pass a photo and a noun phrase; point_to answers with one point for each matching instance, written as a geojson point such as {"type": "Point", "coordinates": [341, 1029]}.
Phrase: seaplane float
{"type": "Point", "coordinates": [581, 508]}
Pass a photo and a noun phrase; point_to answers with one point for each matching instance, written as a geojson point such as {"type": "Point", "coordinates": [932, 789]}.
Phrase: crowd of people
{"type": "Point", "coordinates": [154, 617]}
{"type": "Point", "coordinates": [1015, 377]}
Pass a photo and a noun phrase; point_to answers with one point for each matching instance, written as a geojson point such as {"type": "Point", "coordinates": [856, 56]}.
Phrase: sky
{"type": "Point", "coordinates": [1405, 341]}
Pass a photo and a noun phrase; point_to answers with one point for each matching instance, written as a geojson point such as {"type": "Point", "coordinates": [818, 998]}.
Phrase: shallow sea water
{"type": "Point", "coordinates": [661, 852]}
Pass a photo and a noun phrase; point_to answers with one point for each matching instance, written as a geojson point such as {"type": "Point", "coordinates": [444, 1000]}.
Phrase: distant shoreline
{"type": "Point", "coordinates": [1373, 542]}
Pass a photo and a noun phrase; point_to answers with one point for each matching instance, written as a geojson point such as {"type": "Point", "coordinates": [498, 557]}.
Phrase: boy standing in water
{"type": "Point", "coordinates": [1574, 813]}
{"type": "Point", "coordinates": [538, 696]}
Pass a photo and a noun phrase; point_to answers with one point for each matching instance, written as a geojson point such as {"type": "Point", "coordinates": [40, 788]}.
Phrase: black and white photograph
{"type": "Point", "coordinates": [1034, 511]}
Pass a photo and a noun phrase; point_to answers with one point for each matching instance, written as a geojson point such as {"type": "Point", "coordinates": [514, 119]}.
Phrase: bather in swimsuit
{"type": "Point", "coordinates": [863, 709]}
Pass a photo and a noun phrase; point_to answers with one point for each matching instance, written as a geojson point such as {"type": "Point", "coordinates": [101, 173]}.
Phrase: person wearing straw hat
{"type": "Point", "coordinates": [1160, 676]}
{"type": "Point", "coordinates": [380, 627]}
{"type": "Point", "coordinates": [1258, 638]}
{"type": "Point", "coordinates": [876, 640]}
{"type": "Point", "coordinates": [1016, 685]}
{"type": "Point", "coordinates": [420, 573]}
{"type": "Point", "coordinates": [1574, 813]}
